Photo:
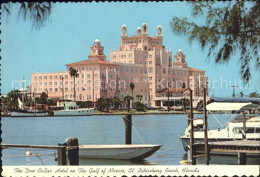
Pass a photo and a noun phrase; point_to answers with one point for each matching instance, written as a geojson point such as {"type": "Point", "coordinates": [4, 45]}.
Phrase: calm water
{"type": "Point", "coordinates": [153, 129]}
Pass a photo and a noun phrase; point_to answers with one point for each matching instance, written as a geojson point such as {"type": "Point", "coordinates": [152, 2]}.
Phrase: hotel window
{"type": "Point", "coordinates": [96, 81]}
{"type": "Point", "coordinates": [66, 83]}
{"type": "Point", "coordinates": [56, 89]}
{"type": "Point", "coordinates": [150, 62]}
{"type": "Point", "coordinates": [150, 69]}
{"type": "Point", "coordinates": [50, 89]}
{"type": "Point", "coordinates": [40, 78]}
{"type": "Point", "coordinates": [150, 78]}
{"type": "Point", "coordinates": [50, 83]}
{"type": "Point", "coordinates": [96, 75]}
{"type": "Point", "coordinates": [114, 56]}
{"type": "Point", "coordinates": [96, 88]}
{"type": "Point", "coordinates": [132, 69]}
{"type": "Point", "coordinates": [55, 83]}
{"type": "Point", "coordinates": [136, 70]}
{"type": "Point", "coordinates": [126, 69]}
{"type": "Point", "coordinates": [145, 70]}
{"type": "Point", "coordinates": [130, 55]}
{"type": "Point", "coordinates": [46, 90]}
{"type": "Point", "coordinates": [35, 78]}
{"type": "Point", "coordinates": [164, 70]}
{"type": "Point", "coordinates": [72, 89]}
{"type": "Point", "coordinates": [88, 88]}
{"type": "Point", "coordinates": [45, 77]}
{"type": "Point", "coordinates": [40, 83]}
{"type": "Point", "coordinates": [141, 70]}
{"type": "Point", "coordinates": [150, 56]}
{"type": "Point", "coordinates": [50, 77]}
{"type": "Point", "coordinates": [45, 83]}
{"type": "Point", "coordinates": [55, 77]}
{"type": "Point", "coordinates": [66, 89]}
{"type": "Point", "coordinates": [61, 77]}
{"type": "Point", "coordinates": [88, 82]}
{"type": "Point", "coordinates": [122, 69]}
{"type": "Point", "coordinates": [66, 76]}
{"type": "Point", "coordinates": [88, 75]}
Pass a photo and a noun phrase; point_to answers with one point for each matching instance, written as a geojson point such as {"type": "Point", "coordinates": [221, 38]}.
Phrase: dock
{"type": "Point", "coordinates": [241, 147]}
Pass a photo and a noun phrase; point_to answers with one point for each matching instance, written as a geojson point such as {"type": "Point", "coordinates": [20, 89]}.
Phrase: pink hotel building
{"type": "Point", "coordinates": [141, 59]}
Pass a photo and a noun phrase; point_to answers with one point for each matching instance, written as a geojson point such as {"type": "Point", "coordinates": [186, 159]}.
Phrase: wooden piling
{"type": "Point", "coordinates": [244, 125]}
{"type": "Point", "coordinates": [73, 151]}
{"type": "Point", "coordinates": [241, 158]}
{"type": "Point", "coordinates": [193, 159]}
{"type": "Point", "coordinates": [62, 155]}
{"type": "Point", "coordinates": [205, 128]}
{"type": "Point", "coordinates": [128, 128]}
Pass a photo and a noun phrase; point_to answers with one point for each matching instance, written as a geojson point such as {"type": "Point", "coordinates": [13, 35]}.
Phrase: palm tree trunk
{"type": "Point", "coordinates": [74, 89]}
{"type": "Point", "coordinates": [133, 98]}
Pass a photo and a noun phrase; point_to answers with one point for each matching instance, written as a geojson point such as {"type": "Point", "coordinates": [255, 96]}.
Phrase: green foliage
{"type": "Point", "coordinates": [85, 104]}
{"type": "Point", "coordinates": [128, 98]}
{"type": "Point", "coordinates": [116, 102]}
{"type": "Point", "coordinates": [139, 97]}
{"type": "Point", "coordinates": [36, 12]}
{"type": "Point", "coordinates": [103, 104]}
{"type": "Point", "coordinates": [74, 73]}
{"type": "Point", "coordinates": [232, 27]}
{"type": "Point", "coordinates": [185, 102]}
{"type": "Point", "coordinates": [139, 106]}
{"type": "Point", "coordinates": [51, 102]}
{"type": "Point", "coordinates": [254, 95]}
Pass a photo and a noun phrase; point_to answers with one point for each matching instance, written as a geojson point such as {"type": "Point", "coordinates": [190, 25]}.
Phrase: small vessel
{"type": "Point", "coordinates": [70, 108]}
{"type": "Point", "coordinates": [233, 130]}
{"type": "Point", "coordinates": [134, 152]}
{"type": "Point", "coordinates": [28, 113]}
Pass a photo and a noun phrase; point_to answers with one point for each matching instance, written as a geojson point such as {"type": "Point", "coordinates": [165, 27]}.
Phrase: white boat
{"type": "Point", "coordinates": [28, 113]}
{"type": "Point", "coordinates": [70, 108]}
{"type": "Point", "coordinates": [135, 152]}
{"type": "Point", "coordinates": [232, 131]}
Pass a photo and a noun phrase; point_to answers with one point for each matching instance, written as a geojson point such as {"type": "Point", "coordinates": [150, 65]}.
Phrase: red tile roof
{"type": "Point", "coordinates": [194, 69]}
{"type": "Point", "coordinates": [175, 90]}
{"type": "Point", "coordinates": [91, 62]}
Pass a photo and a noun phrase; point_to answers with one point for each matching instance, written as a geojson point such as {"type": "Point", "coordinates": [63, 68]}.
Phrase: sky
{"type": "Point", "coordinates": [72, 28]}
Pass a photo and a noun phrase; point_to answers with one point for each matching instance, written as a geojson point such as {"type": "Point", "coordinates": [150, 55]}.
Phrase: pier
{"type": "Point", "coordinates": [241, 147]}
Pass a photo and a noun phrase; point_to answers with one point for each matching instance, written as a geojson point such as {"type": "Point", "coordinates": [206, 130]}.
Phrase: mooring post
{"type": "Point", "coordinates": [62, 155]}
{"type": "Point", "coordinates": [73, 150]}
{"type": "Point", "coordinates": [128, 128]}
{"type": "Point", "coordinates": [244, 125]}
{"type": "Point", "coordinates": [241, 158]}
{"type": "Point", "coordinates": [193, 159]}
{"type": "Point", "coordinates": [205, 127]}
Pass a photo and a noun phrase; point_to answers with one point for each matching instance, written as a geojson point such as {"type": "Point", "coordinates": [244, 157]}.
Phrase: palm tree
{"type": "Point", "coordinates": [116, 102]}
{"type": "Point", "coordinates": [132, 86]}
{"type": "Point", "coordinates": [74, 73]}
{"type": "Point", "coordinates": [128, 98]}
{"type": "Point", "coordinates": [43, 98]}
{"type": "Point", "coordinates": [185, 102]}
{"type": "Point", "coordinates": [108, 102]}
{"type": "Point", "coordinates": [36, 12]}
{"type": "Point", "coordinates": [139, 97]}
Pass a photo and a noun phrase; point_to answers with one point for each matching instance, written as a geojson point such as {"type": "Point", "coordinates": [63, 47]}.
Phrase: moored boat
{"type": "Point", "coordinates": [135, 152]}
{"type": "Point", "coordinates": [28, 113]}
{"type": "Point", "coordinates": [70, 108]}
{"type": "Point", "coordinates": [233, 130]}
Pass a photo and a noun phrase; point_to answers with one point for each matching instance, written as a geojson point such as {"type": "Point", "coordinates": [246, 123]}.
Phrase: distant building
{"type": "Point", "coordinates": [141, 59]}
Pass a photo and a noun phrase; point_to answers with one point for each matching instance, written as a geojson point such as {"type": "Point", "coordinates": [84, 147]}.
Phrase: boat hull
{"type": "Point", "coordinates": [85, 112]}
{"type": "Point", "coordinates": [119, 152]}
{"type": "Point", "coordinates": [28, 114]}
